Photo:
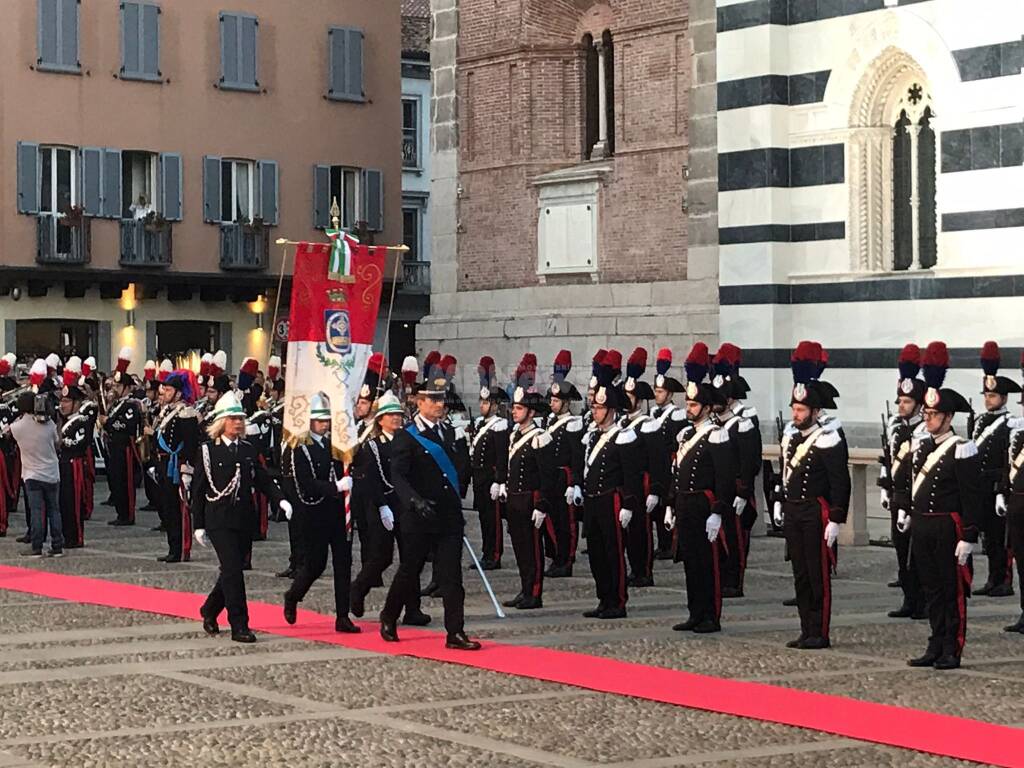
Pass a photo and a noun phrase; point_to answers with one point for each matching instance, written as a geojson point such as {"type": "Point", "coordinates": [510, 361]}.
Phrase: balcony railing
{"type": "Point", "coordinates": [145, 245]}
{"type": "Point", "coordinates": [244, 247]}
{"type": "Point", "coordinates": [410, 152]}
{"type": "Point", "coordinates": [59, 242]}
{"type": "Point", "coordinates": [416, 276]}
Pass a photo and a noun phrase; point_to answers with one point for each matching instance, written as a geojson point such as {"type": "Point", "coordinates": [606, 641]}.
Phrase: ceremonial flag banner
{"type": "Point", "coordinates": [330, 338]}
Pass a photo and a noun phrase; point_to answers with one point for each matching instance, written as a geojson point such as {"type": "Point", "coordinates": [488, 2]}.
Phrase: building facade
{"type": "Point", "coordinates": [871, 171]}
{"type": "Point", "coordinates": [572, 204]}
{"type": "Point", "coordinates": [155, 151]}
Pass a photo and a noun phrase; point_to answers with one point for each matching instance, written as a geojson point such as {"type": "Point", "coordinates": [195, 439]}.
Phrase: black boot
{"type": "Point", "coordinates": [1018, 627]}
{"type": "Point", "coordinates": [903, 612]}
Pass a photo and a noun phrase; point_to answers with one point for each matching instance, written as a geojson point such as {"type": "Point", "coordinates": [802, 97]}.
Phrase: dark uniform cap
{"type": "Point", "coordinates": [990, 361]}
{"type": "Point", "coordinates": [935, 363]}
{"type": "Point", "coordinates": [561, 388]}
{"type": "Point", "coordinates": [489, 390]}
{"type": "Point", "coordinates": [909, 365]}
{"type": "Point", "coordinates": [635, 368]}
{"type": "Point", "coordinates": [661, 379]}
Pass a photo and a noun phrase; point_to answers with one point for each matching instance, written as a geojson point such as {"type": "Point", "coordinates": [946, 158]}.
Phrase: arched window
{"type": "Point", "coordinates": [893, 168]}
{"type": "Point", "coordinates": [599, 96]}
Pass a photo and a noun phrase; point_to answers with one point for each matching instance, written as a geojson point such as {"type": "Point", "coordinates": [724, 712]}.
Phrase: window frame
{"type": "Point", "coordinates": [74, 180]}
{"type": "Point", "coordinates": [238, 85]}
{"type": "Point", "coordinates": [140, 75]}
{"type": "Point", "coordinates": [153, 194]}
{"type": "Point", "coordinates": [59, 67]}
{"type": "Point", "coordinates": [235, 162]}
{"type": "Point", "coordinates": [357, 206]}
{"type": "Point", "coordinates": [413, 254]}
{"type": "Point", "coordinates": [414, 130]}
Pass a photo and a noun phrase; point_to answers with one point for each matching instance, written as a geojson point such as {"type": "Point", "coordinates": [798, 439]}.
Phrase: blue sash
{"type": "Point", "coordinates": [173, 469]}
{"type": "Point", "coordinates": [439, 455]}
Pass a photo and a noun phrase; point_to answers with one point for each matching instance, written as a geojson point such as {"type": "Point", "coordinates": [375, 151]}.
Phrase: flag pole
{"type": "Point", "coordinates": [277, 299]}
{"type": "Point", "coordinates": [402, 248]}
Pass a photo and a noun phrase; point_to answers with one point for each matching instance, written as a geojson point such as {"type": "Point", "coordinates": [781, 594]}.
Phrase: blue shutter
{"type": "Point", "coordinates": [211, 189]}
{"type": "Point", "coordinates": [228, 49]}
{"type": "Point", "coordinates": [248, 69]}
{"type": "Point", "coordinates": [321, 196]}
{"type": "Point", "coordinates": [28, 177]}
{"type": "Point", "coordinates": [346, 64]}
{"type": "Point", "coordinates": [131, 53]}
{"type": "Point", "coordinates": [91, 179]}
{"type": "Point", "coordinates": [69, 34]}
{"type": "Point", "coordinates": [373, 199]}
{"type": "Point", "coordinates": [111, 184]}
{"type": "Point", "coordinates": [150, 34]}
{"type": "Point", "coordinates": [171, 205]}
{"type": "Point", "coordinates": [48, 23]}
{"type": "Point", "coordinates": [266, 191]}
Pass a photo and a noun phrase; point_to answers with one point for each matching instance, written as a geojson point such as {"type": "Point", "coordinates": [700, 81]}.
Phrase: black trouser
{"type": "Point", "coordinates": [943, 582]}
{"type": "Point", "coordinates": [701, 558]}
{"type": "Point", "coordinates": [296, 541]}
{"type": "Point", "coordinates": [640, 543]}
{"type": "Point", "coordinates": [910, 583]}
{"type": "Point", "coordinates": [121, 469]}
{"type": "Point", "coordinates": [812, 566]}
{"type": "Point", "coordinates": [1015, 527]}
{"type": "Point", "coordinates": [378, 558]}
{"type": "Point", "coordinates": [561, 531]}
{"type": "Point", "coordinates": [664, 534]}
{"type": "Point", "coordinates": [526, 543]}
{"type": "Point", "coordinates": [606, 549]}
{"type": "Point", "coordinates": [325, 530]}
{"type": "Point", "coordinates": [491, 534]}
{"type": "Point", "coordinates": [444, 538]}
{"type": "Point", "coordinates": [993, 529]}
{"type": "Point", "coordinates": [734, 559]}
{"type": "Point", "coordinates": [229, 592]}
{"type": "Point", "coordinates": [72, 500]}
{"type": "Point", "coordinates": [177, 520]}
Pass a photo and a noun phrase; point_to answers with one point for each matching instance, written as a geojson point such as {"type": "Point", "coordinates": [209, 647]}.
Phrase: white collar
{"type": "Point", "coordinates": [943, 437]}
{"type": "Point", "coordinates": [227, 441]}
{"type": "Point", "coordinates": [424, 422]}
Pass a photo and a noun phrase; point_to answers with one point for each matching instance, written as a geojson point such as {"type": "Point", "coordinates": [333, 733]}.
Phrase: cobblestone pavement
{"type": "Point", "coordinates": [90, 686]}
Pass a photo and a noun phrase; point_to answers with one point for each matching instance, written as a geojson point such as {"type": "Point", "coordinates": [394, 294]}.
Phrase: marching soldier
{"type": "Point", "coordinates": [595, 370]}
{"type": "Point", "coordinates": [659, 434]}
{"type": "Point", "coordinates": [566, 432]}
{"type": "Point", "coordinates": [489, 464]}
{"type": "Point", "coordinates": [640, 534]}
{"type": "Point", "coordinates": [945, 500]}
{"type": "Point", "coordinates": [177, 438]}
{"type": "Point", "coordinates": [362, 514]}
{"type": "Point", "coordinates": [745, 442]}
{"type": "Point", "coordinates": [75, 439]}
{"type": "Point", "coordinates": [276, 407]}
{"type": "Point", "coordinates": [258, 432]}
{"type": "Point", "coordinates": [410, 372]}
{"type": "Point", "coordinates": [815, 496]}
{"type": "Point", "coordinates": [216, 387]}
{"type": "Point", "coordinates": [992, 437]}
{"type": "Point", "coordinates": [429, 489]}
{"type": "Point", "coordinates": [315, 482]}
{"type": "Point", "coordinates": [703, 487]}
{"type": "Point", "coordinates": [529, 485]}
{"type": "Point", "coordinates": [611, 491]}
{"type": "Point", "coordinates": [375, 461]}
{"type": "Point", "coordinates": [1013, 501]}
{"type": "Point", "coordinates": [895, 478]}
{"type": "Point", "coordinates": [122, 425]}
{"type": "Point", "coordinates": [227, 477]}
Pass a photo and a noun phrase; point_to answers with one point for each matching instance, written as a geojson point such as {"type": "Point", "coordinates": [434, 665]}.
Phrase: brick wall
{"type": "Point", "coordinates": [519, 83]}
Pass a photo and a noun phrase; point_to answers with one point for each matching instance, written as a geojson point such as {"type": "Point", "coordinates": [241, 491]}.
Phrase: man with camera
{"type": "Point", "coordinates": [38, 440]}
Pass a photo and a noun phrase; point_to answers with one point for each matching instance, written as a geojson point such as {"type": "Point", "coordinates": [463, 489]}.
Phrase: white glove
{"type": "Point", "coordinates": [286, 507]}
{"type": "Point", "coordinates": [186, 480]}
{"type": "Point", "coordinates": [1000, 505]}
{"type": "Point", "coordinates": [884, 498]}
{"type": "Point", "coordinates": [495, 489]}
{"type": "Point", "coordinates": [670, 518]}
{"type": "Point", "coordinates": [777, 513]}
{"type": "Point", "coordinates": [577, 496]}
{"type": "Point", "coordinates": [963, 551]}
{"type": "Point", "coordinates": [538, 518]}
{"type": "Point", "coordinates": [387, 518]}
{"type": "Point", "coordinates": [652, 502]}
{"type": "Point", "coordinates": [902, 521]}
{"type": "Point", "coordinates": [344, 485]}
{"type": "Point", "coordinates": [152, 473]}
{"type": "Point", "coordinates": [502, 492]}
{"type": "Point", "coordinates": [201, 538]}
{"type": "Point", "coordinates": [625, 516]}
{"type": "Point", "coordinates": [739, 504]}
{"type": "Point", "coordinates": [831, 533]}
{"type": "Point", "coordinates": [570, 493]}
{"type": "Point", "coordinates": [713, 526]}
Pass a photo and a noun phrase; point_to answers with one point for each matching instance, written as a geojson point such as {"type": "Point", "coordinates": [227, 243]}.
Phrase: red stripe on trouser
{"type": "Point", "coordinates": [90, 481]}
{"type": "Point", "coordinates": [963, 586]}
{"type": "Point", "coordinates": [827, 563]}
{"type": "Point", "coordinates": [1009, 567]}
{"type": "Point", "coordinates": [538, 563]}
{"type": "Point", "coordinates": [4, 493]}
{"type": "Point", "coordinates": [78, 483]}
{"type": "Point", "coordinates": [621, 550]}
{"type": "Point", "coordinates": [570, 509]}
{"type": "Point", "coordinates": [129, 458]}
{"type": "Point", "coordinates": [186, 531]}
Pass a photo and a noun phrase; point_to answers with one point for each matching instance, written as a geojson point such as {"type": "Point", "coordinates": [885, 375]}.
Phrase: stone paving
{"type": "Point", "coordinates": [91, 686]}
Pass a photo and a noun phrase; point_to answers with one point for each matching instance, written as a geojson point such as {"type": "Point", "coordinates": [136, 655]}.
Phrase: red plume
{"type": "Point", "coordinates": [376, 363]}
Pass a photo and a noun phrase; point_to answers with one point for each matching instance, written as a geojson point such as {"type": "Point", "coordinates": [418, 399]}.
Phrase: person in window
{"type": "Point", "coordinates": [141, 208]}
{"type": "Point", "coordinates": [228, 475]}
{"type": "Point", "coordinates": [75, 439]}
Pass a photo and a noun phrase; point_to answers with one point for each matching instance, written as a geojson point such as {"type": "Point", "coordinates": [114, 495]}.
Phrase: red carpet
{"type": "Point", "coordinates": [880, 723]}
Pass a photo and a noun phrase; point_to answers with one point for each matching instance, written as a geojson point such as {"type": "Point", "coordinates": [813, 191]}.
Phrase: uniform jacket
{"type": "Point", "coordinates": [659, 434]}
{"type": "Point", "coordinates": [531, 468]}
{"type": "Point", "coordinates": [704, 463]}
{"type": "Point", "coordinates": [311, 478]}
{"type": "Point", "coordinates": [223, 484]}
{"type": "Point", "coordinates": [819, 471]}
{"type": "Point", "coordinates": [992, 437]}
{"type": "Point", "coordinates": [949, 484]}
{"type": "Point", "coordinates": [417, 477]}
{"type": "Point", "coordinates": [488, 452]}
{"type": "Point", "coordinates": [611, 465]}
{"type": "Point", "coordinates": [745, 443]}
{"type": "Point", "coordinates": [566, 432]}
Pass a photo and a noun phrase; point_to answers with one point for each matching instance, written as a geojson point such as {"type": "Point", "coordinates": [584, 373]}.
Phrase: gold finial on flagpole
{"type": "Point", "coordinates": [335, 213]}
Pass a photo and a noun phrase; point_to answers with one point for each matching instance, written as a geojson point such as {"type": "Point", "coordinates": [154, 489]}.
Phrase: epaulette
{"type": "Point", "coordinates": [745, 425]}
{"type": "Point", "coordinates": [749, 412]}
{"type": "Point", "coordinates": [832, 424]}
{"type": "Point", "coordinates": [966, 449]}
{"type": "Point", "coordinates": [718, 436]}
{"type": "Point", "coordinates": [460, 433]}
{"type": "Point", "coordinates": [789, 429]}
{"type": "Point", "coordinates": [679, 414]}
{"type": "Point", "coordinates": [500, 425]}
{"type": "Point", "coordinates": [625, 437]}
{"type": "Point", "coordinates": [651, 425]}
{"type": "Point", "coordinates": [1015, 422]}
{"type": "Point", "coordinates": [542, 440]}
{"type": "Point", "coordinates": [575, 424]}
{"type": "Point", "coordinates": [828, 439]}
{"type": "Point", "coordinates": [188, 412]}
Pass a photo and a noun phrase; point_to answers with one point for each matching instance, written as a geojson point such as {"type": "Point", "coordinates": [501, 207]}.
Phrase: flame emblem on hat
{"type": "Point", "coordinates": [800, 393]}
{"type": "Point", "coordinates": [932, 397]}
{"type": "Point", "coordinates": [601, 397]}
{"type": "Point", "coordinates": [692, 389]}
{"type": "Point", "coordinates": [907, 386]}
